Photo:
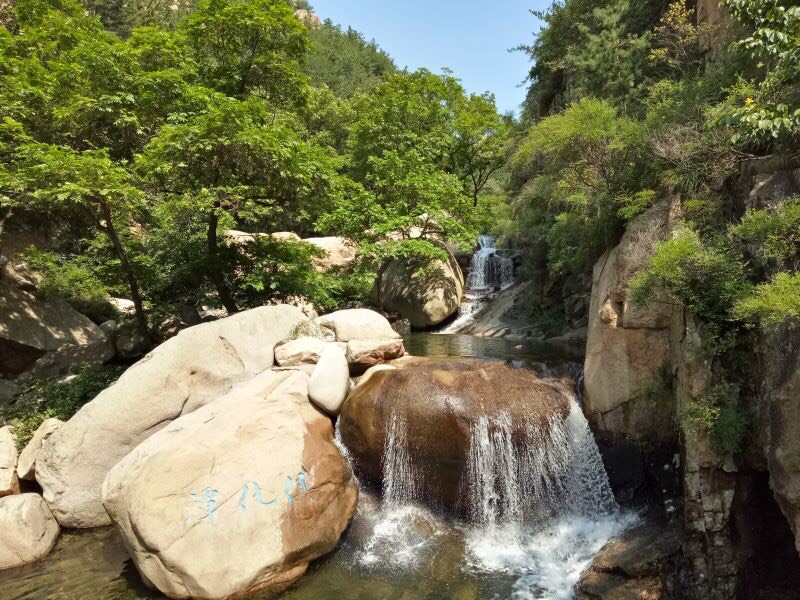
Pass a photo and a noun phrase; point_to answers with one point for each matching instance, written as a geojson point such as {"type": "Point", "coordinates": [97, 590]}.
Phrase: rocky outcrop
{"type": "Point", "coordinates": [28, 530]}
{"type": "Point", "coordinates": [9, 484]}
{"type": "Point", "coordinates": [195, 367]}
{"type": "Point", "coordinates": [426, 297]}
{"type": "Point", "coordinates": [627, 370]}
{"type": "Point", "coordinates": [8, 391]}
{"type": "Point", "coordinates": [254, 477]}
{"type": "Point", "coordinates": [26, 465]}
{"type": "Point", "coordinates": [45, 337]}
{"type": "Point", "coordinates": [427, 408]}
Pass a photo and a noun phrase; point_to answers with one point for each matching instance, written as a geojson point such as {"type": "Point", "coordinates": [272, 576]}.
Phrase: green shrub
{"type": "Point", "coordinates": [772, 304]}
{"type": "Point", "coordinates": [706, 278]}
{"type": "Point", "coordinates": [770, 235]}
{"type": "Point", "coordinates": [46, 398]}
{"type": "Point", "coordinates": [719, 412]}
{"type": "Point", "coordinates": [70, 279]}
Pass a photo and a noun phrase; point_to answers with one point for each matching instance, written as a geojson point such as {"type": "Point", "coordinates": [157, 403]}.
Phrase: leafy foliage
{"type": "Point", "coordinates": [718, 412]}
{"type": "Point", "coordinates": [42, 399]}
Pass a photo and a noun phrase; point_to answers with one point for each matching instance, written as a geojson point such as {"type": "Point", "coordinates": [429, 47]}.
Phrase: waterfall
{"type": "Point", "coordinates": [399, 476]}
{"type": "Point", "coordinates": [557, 468]}
{"type": "Point", "coordinates": [488, 271]}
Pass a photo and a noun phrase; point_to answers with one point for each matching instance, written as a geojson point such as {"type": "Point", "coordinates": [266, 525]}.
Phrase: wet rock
{"type": "Point", "coordinates": [193, 368]}
{"type": "Point", "coordinates": [426, 298]}
{"type": "Point", "coordinates": [26, 465]}
{"type": "Point", "coordinates": [28, 530]}
{"type": "Point", "coordinates": [238, 496]}
{"type": "Point", "coordinates": [330, 380]}
{"type": "Point", "coordinates": [9, 484]}
{"type": "Point", "coordinates": [357, 324]}
{"type": "Point", "coordinates": [431, 407]}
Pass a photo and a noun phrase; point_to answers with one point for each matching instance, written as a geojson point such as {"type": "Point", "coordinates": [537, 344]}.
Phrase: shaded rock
{"type": "Point", "coordinates": [129, 341]}
{"type": "Point", "coordinates": [433, 405]}
{"type": "Point", "coordinates": [357, 324]}
{"type": "Point", "coordinates": [363, 354]}
{"type": "Point", "coordinates": [8, 391]}
{"type": "Point", "coordinates": [28, 530]}
{"type": "Point", "coordinates": [45, 337]}
{"type": "Point", "coordinates": [26, 465]}
{"type": "Point", "coordinates": [193, 368]}
{"type": "Point", "coordinates": [9, 484]}
{"type": "Point", "coordinates": [303, 350]}
{"type": "Point", "coordinates": [254, 476]}
{"type": "Point", "coordinates": [330, 380]}
{"type": "Point", "coordinates": [608, 586]}
{"type": "Point", "coordinates": [426, 298]}
{"type": "Point", "coordinates": [340, 253]}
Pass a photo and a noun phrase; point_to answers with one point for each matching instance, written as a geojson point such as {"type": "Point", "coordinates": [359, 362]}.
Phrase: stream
{"type": "Point", "coordinates": [397, 549]}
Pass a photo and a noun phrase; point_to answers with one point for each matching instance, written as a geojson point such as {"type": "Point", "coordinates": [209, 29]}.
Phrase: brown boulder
{"type": "Point", "coordinates": [436, 404]}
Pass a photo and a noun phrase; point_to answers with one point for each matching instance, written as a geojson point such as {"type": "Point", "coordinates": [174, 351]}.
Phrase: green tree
{"type": "Point", "coordinates": [237, 161]}
{"type": "Point", "coordinates": [252, 47]}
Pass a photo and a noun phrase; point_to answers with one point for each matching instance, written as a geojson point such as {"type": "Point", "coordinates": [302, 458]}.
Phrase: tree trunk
{"type": "Point", "coordinates": [214, 268]}
{"type": "Point", "coordinates": [136, 295]}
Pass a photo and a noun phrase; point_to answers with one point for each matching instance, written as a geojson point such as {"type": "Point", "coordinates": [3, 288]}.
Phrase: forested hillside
{"type": "Point", "coordinates": [137, 134]}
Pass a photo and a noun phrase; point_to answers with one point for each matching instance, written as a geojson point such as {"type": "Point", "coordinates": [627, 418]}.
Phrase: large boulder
{"type": "Point", "coordinates": [45, 337]}
{"type": "Point", "coordinates": [8, 463]}
{"type": "Point", "coordinates": [195, 367]}
{"type": "Point", "coordinates": [357, 324]}
{"type": "Point", "coordinates": [426, 297]}
{"type": "Point", "coordinates": [236, 497]}
{"type": "Point", "coordinates": [28, 530]}
{"type": "Point", "coordinates": [340, 253]}
{"type": "Point", "coordinates": [330, 380]}
{"type": "Point", "coordinates": [424, 413]}
{"type": "Point", "coordinates": [26, 465]}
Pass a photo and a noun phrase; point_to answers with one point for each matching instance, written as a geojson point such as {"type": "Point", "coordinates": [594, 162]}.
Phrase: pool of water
{"type": "Point", "coordinates": [392, 550]}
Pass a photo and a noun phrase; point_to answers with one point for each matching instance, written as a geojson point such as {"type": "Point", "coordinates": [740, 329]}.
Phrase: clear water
{"type": "Point", "coordinates": [396, 549]}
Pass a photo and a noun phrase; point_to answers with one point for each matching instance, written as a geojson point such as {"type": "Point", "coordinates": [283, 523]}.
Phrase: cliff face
{"type": "Point", "coordinates": [738, 516]}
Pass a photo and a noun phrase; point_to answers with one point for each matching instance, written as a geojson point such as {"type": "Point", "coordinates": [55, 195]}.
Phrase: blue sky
{"type": "Point", "coordinates": [472, 38]}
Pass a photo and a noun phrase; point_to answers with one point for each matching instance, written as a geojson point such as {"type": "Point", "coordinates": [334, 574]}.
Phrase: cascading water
{"type": "Point", "coordinates": [539, 508]}
{"type": "Point", "coordinates": [489, 270]}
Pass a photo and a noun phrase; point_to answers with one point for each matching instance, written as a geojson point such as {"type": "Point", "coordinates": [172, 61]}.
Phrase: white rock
{"type": "Point", "coordinates": [123, 306]}
{"type": "Point", "coordinates": [236, 497]}
{"type": "Point", "coordinates": [304, 350]}
{"type": "Point", "coordinates": [197, 366]}
{"type": "Point", "coordinates": [28, 530]}
{"type": "Point", "coordinates": [26, 465]}
{"type": "Point", "coordinates": [339, 252]}
{"type": "Point", "coordinates": [358, 324]}
{"type": "Point", "coordinates": [8, 463]}
{"type": "Point", "coordinates": [330, 381]}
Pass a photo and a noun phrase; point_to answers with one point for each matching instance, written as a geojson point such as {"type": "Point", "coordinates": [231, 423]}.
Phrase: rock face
{"type": "Point", "coordinates": [627, 357]}
{"type": "Point", "coordinates": [8, 463]}
{"type": "Point", "coordinates": [28, 530]}
{"type": "Point", "coordinates": [340, 253]}
{"type": "Point", "coordinates": [195, 367]}
{"type": "Point", "coordinates": [330, 380]}
{"type": "Point", "coordinates": [357, 324]}
{"type": "Point", "coordinates": [427, 408]}
{"type": "Point", "coordinates": [45, 338]}
{"type": "Point", "coordinates": [426, 299]}
{"type": "Point", "coordinates": [8, 391]}
{"type": "Point", "coordinates": [236, 497]}
{"type": "Point", "coordinates": [26, 465]}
